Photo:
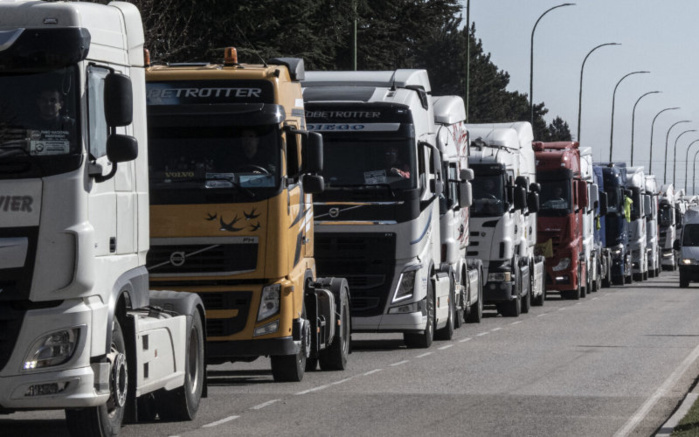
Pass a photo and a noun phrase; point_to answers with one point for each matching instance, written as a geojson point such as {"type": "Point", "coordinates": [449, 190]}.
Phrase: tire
{"type": "Point", "coordinates": [424, 339]}
{"type": "Point", "coordinates": [684, 282]}
{"type": "Point", "coordinates": [527, 301]}
{"type": "Point", "coordinates": [628, 280]}
{"type": "Point", "coordinates": [335, 357]}
{"type": "Point", "coordinates": [475, 313]}
{"type": "Point", "coordinates": [513, 308]}
{"type": "Point", "coordinates": [182, 403]}
{"type": "Point", "coordinates": [106, 420]}
{"type": "Point", "coordinates": [447, 333]}
{"type": "Point", "coordinates": [583, 290]}
{"type": "Point", "coordinates": [290, 368]}
{"type": "Point", "coordinates": [461, 310]}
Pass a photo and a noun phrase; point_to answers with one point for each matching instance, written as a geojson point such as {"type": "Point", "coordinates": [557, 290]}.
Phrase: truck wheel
{"type": "Point", "coordinates": [684, 281]}
{"type": "Point", "coordinates": [475, 313]}
{"type": "Point", "coordinates": [583, 290]}
{"type": "Point", "coordinates": [105, 420]}
{"type": "Point", "coordinates": [290, 368]}
{"type": "Point", "coordinates": [461, 310]}
{"type": "Point", "coordinates": [447, 332]}
{"type": "Point", "coordinates": [527, 302]}
{"type": "Point", "coordinates": [335, 357]}
{"type": "Point", "coordinates": [423, 340]}
{"type": "Point", "coordinates": [182, 403]}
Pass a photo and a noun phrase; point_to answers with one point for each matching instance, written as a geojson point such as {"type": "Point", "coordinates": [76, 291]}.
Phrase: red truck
{"type": "Point", "coordinates": [563, 198]}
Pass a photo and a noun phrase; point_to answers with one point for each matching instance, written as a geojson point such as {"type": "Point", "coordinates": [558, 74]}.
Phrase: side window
{"type": "Point", "coordinates": [98, 130]}
{"type": "Point", "coordinates": [452, 185]}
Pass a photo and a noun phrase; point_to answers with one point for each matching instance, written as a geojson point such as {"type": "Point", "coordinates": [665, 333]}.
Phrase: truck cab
{"type": "Point", "coordinates": [652, 227]}
{"type": "Point", "coordinates": [616, 223]}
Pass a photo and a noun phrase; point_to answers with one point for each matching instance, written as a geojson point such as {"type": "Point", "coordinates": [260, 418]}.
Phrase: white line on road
{"type": "Point", "coordinates": [341, 381]}
{"type": "Point", "coordinates": [516, 323]}
{"type": "Point", "coordinates": [310, 390]}
{"type": "Point", "coordinates": [399, 363]}
{"type": "Point", "coordinates": [642, 412]}
{"type": "Point", "coordinates": [424, 355]}
{"type": "Point", "coordinates": [445, 347]}
{"type": "Point", "coordinates": [495, 329]}
{"type": "Point", "coordinates": [542, 315]}
{"type": "Point", "coordinates": [465, 340]}
{"type": "Point", "coordinates": [482, 334]}
{"type": "Point", "coordinates": [219, 422]}
{"type": "Point", "coordinates": [371, 372]}
{"type": "Point", "coordinates": [266, 404]}
{"type": "Point", "coordinates": [562, 309]}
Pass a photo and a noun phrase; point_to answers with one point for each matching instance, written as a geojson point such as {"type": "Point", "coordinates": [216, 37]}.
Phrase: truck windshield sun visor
{"type": "Point", "coordinates": [42, 49]}
{"type": "Point", "coordinates": [244, 114]}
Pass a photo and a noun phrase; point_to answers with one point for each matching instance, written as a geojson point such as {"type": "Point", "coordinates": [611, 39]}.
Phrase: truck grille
{"type": "Point", "coordinates": [10, 325]}
{"type": "Point", "coordinates": [367, 261]}
{"type": "Point", "coordinates": [202, 259]}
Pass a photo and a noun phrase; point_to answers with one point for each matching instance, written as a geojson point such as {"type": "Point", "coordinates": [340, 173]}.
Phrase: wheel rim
{"type": "Point", "coordinates": [119, 382]}
{"type": "Point", "coordinates": [193, 359]}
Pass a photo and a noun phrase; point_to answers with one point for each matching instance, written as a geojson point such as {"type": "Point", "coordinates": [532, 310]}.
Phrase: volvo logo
{"type": "Point", "coordinates": [334, 212]}
{"type": "Point", "coordinates": [177, 258]}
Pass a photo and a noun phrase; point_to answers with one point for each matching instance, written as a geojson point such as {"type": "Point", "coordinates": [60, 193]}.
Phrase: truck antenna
{"type": "Point", "coordinates": [247, 41]}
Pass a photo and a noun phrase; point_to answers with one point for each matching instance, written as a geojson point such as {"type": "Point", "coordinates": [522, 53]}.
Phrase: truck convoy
{"type": "Point", "coordinates": [616, 224]}
{"type": "Point", "coordinates": [452, 141]}
{"type": "Point", "coordinates": [652, 232]}
{"type": "Point", "coordinates": [378, 219]}
{"type": "Point", "coordinates": [80, 329]}
{"type": "Point", "coordinates": [232, 173]}
{"type": "Point", "coordinates": [561, 217]}
{"type": "Point", "coordinates": [605, 253]}
{"type": "Point", "coordinates": [635, 182]}
{"type": "Point", "coordinates": [503, 216]}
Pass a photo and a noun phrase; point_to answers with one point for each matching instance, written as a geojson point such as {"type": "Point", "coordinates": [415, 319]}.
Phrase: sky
{"type": "Point", "coordinates": [660, 36]}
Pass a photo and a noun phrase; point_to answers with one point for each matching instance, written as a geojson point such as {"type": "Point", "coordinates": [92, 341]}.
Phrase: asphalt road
{"type": "Point", "coordinates": [616, 363]}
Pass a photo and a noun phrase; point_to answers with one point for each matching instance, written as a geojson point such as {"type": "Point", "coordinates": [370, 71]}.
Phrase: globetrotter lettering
{"type": "Point", "coordinates": [343, 114]}
{"type": "Point", "coordinates": [16, 203]}
{"type": "Point", "coordinates": [340, 127]}
{"type": "Point", "coordinates": [168, 93]}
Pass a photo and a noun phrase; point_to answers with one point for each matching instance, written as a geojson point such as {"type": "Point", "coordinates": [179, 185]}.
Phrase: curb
{"type": "Point", "coordinates": [669, 426]}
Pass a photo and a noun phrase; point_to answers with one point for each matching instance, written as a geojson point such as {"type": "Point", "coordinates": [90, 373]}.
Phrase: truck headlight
{"type": "Point", "coordinates": [563, 264]}
{"type": "Point", "coordinates": [500, 277]}
{"type": "Point", "coordinates": [53, 349]}
{"type": "Point", "coordinates": [269, 301]}
{"type": "Point", "coordinates": [406, 285]}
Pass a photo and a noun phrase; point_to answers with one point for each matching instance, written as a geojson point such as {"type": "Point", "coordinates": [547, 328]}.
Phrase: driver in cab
{"type": "Point", "coordinates": [253, 159]}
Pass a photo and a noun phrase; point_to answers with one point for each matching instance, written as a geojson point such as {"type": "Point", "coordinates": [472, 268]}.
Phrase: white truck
{"type": "Point", "coordinates": [592, 253]}
{"type": "Point", "coordinates": [377, 222]}
{"type": "Point", "coordinates": [503, 215]}
{"type": "Point", "coordinates": [652, 234]}
{"type": "Point", "coordinates": [80, 329]}
{"type": "Point", "coordinates": [452, 141]}
{"type": "Point", "coordinates": [635, 181]}
{"type": "Point", "coordinates": [668, 228]}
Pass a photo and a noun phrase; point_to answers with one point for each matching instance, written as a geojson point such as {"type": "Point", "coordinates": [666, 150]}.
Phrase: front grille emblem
{"type": "Point", "coordinates": [177, 258]}
{"type": "Point", "coordinates": [334, 212]}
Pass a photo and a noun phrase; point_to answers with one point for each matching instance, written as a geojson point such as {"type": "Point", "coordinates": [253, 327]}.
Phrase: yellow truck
{"type": "Point", "coordinates": [232, 173]}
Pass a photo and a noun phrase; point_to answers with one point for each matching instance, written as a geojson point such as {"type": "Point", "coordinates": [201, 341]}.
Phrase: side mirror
{"type": "Point", "coordinates": [293, 167]}
{"type": "Point", "coordinates": [521, 181]}
{"type": "Point", "coordinates": [118, 100]}
{"type": "Point", "coordinates": [122, 148]}
{"type": "Point", "coordinates": [313, 184]}
{"type": "Point", "coordinates": [466, 174]}
{"type": "Point", "coordinates": [436, 186]}
{"type": "Point", "coordinates": [603, 204]}
{"type": "Point", "coordinates": [676, 245]}
{"type": "Point", "coordinates": [465, 194]}
{"type": "Point", "coordinates": [582, 195]}
{"type": "Point", "coordinates": [533, 202]}
{"type": "Point", "coordinates": [313, 156]}
{"type": "Point", "coordinates": [520, 198]}
{"type": "Point", "coordinates": [535, 187]}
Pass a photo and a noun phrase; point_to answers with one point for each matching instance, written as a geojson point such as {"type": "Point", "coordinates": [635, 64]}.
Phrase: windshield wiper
{"type": "Point", "coordinates": [231, 181]}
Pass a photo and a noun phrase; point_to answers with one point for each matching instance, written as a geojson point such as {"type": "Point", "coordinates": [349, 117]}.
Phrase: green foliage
{"type": "Point", "coordinates": [391, 34]}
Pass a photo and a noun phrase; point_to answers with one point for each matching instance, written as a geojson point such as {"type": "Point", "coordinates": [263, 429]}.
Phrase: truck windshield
{"type": "Point", "coordinates": [370, 163]}
{"type": "Point", "coordinates": [38, 123]}
{"type": "Point", "coordinates": [213, 164]}
{"type": "Point", "coordinates": [555, 197]}
{"type": "Point", "coordinates": [690, 235]}
{"type": "Point", "coordinates": [488, 196]}
{"type": "Point", "coordinates": [614, 199]}
{"type": "Point", "coordinates": [666, 215]}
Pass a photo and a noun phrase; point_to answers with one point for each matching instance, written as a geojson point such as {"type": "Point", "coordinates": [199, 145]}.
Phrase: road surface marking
{"type": "Point", "coordinates": [310, 390]}
{"type": "Point", "coordinates": [266, 404]}
{"type": "Point", "coordinates": [341, 381]}
{"type": "Point", "coordinates": [542, 315]}
{"type": "Point", "coordinates": [445, 347]}
{"type": "Point", "coordinates": [515, 323]}
{"type": "Point", "coordinates": [424, 355]}
{"type": "Point", "coordinates": [219, 422]}
{"type": "Point", "coordinates": [495, 329]}
{"type": "Point", "coordinates": [371, 372]}
{"type": "Point", "coordinates": [465, 340]}
{"type": "Point", "coordinates": [400, 363]}
{"type": "Point", "coordinates": [482, 334]}
{"type": "Point", "coordinates": [642, 412]}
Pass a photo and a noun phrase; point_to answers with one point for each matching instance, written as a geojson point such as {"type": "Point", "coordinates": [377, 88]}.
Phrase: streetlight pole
{"type": "Point", "coordinates": [581, 81]}
{"type": "Point", "coordinates": [667, 137]}
{"type": "Point", "coordinates": [633, 119]}
{"type": "Point", "coordinates": [694, 174]}
{"type": "Point", "coordinates": [674, 156]}
{"type": "Point", "coordinates": [468, 54]}
{"type": "Point", "coordinates": [611, 131]}
{"type": "Point", "coordinates": [652, 125]}
{"type": "Point", "coordinates": [531, 59]}
{"type": "Point", "coordinates": [686, 163]}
